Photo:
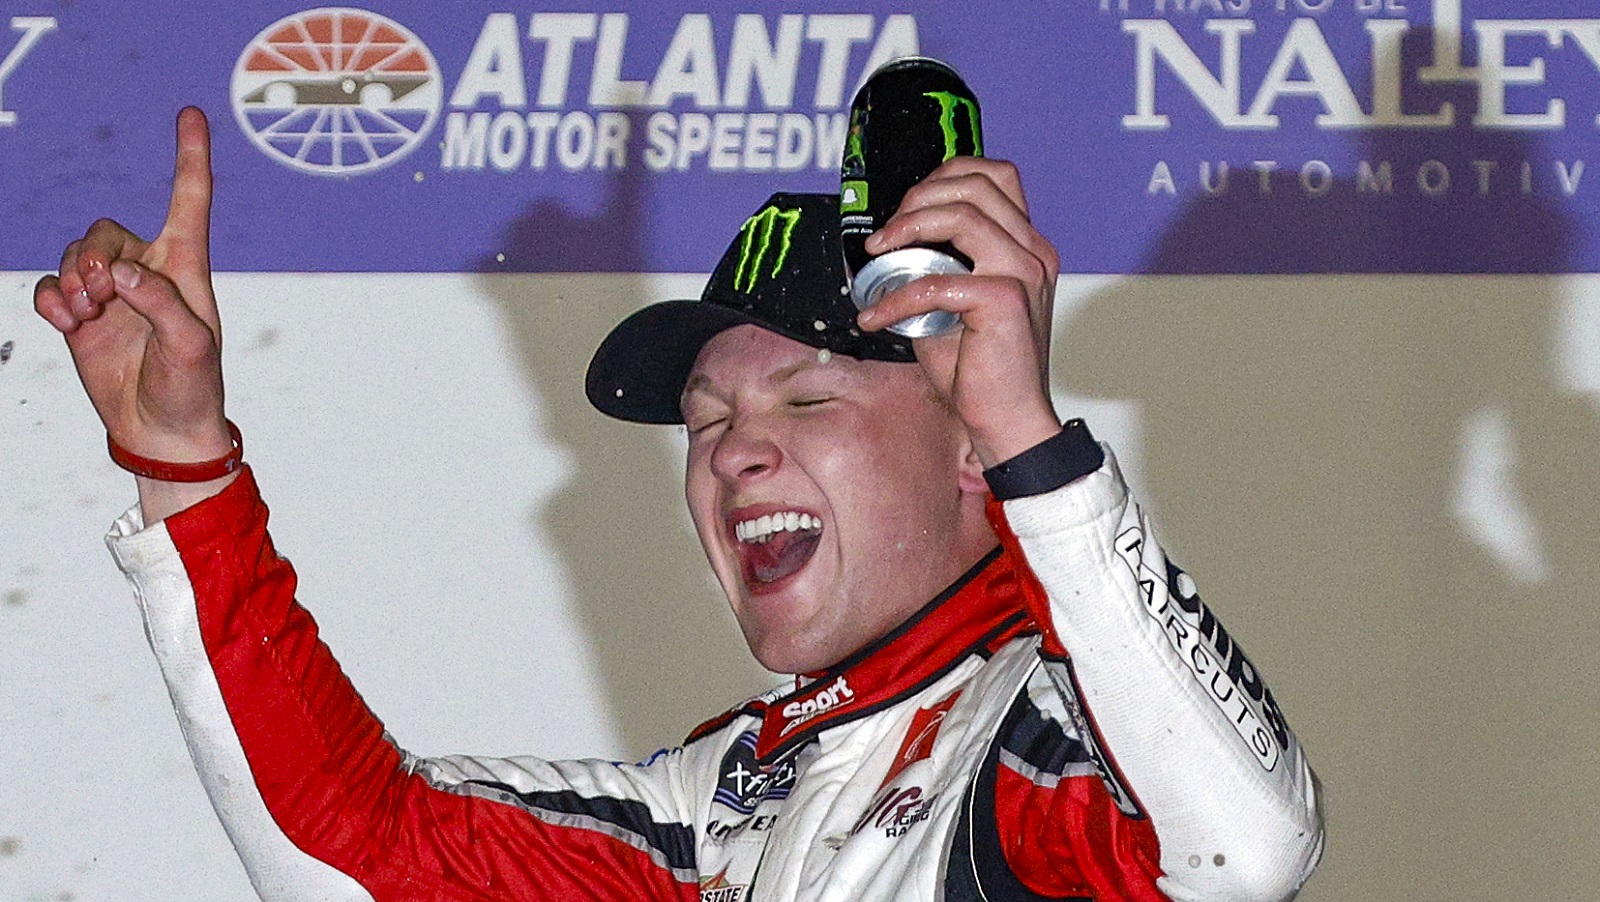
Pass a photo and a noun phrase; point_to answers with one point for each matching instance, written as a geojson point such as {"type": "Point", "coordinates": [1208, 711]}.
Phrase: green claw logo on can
{"type": "Point", "coordinates": [769, 230]}
{"type": "Point", "coordinates": [948, 105]}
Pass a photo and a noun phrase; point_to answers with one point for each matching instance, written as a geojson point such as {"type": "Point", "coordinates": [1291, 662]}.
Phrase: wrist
{"type": "Point", "coordinates": [159, 500]}
{"type": "Point", "coordinates": [168, 486]}
{"type": "Point", "coordinates": [1013, 436]}
{"type": "Point", "coordinates": [188, 462]}
{"type": "Point", "coordinates": [1068, 456]}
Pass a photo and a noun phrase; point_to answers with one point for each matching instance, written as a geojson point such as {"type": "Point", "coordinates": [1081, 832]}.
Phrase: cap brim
{"type": "Point", "coordinates": [638, 372]}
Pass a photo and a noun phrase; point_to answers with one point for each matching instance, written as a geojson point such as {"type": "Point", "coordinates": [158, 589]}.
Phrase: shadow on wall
{"type": "Point", "coordinates": [1304, 440]}
{"type": "Point", "coordinates": [664, 642]}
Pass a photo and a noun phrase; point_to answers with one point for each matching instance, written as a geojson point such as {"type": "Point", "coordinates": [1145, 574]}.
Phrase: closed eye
{"type": "Point", "coordinates": [810, 401]}
{"type": "Point", "coordinates": [701, 426]}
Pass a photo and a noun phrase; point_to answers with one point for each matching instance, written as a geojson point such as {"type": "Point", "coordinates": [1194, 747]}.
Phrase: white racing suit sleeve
{"type": "Point", "coordinates": [1194, 738]}
{"type": "Point", "coordinates": [277, 869]}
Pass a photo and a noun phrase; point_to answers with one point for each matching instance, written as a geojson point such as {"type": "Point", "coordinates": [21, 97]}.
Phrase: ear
{"type": "Point", "coordinates": [970, 475]}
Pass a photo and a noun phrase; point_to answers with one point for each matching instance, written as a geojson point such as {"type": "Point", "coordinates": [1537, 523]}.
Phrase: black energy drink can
{"type": "Point", "coordinates": [910, 116]}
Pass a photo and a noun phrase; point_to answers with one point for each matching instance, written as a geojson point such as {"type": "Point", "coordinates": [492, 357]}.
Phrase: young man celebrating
{"type": "Point", "coordinates": [1004, 690]}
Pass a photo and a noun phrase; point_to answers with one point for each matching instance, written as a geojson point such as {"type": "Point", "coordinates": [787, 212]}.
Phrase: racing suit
{"type": "Point", "coordinates": [1067, 720]}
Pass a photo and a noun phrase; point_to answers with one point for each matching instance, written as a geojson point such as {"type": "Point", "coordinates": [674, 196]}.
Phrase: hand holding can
{"type": "Point", "coordinates": [910, 116]}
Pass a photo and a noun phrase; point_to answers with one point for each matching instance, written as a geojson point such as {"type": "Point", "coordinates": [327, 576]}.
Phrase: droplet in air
{"type": "Point", "coordinates": [824, 355]}
{"type": "Point", "coordinates": [499, 258]}
{"type": "Point", "coordinates": [619, 392]}
{"type": "Point", "coordinates": [820, 326]}
{"type": "Point", "coordinates": [1194, 861]}
{"type": "Point", "coordinates": [417, 176]}
{"type": "Point", "coordinates": [1219, 860]}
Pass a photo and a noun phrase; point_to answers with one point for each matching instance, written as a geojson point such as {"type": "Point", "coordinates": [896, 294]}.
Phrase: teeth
{"type": "Point", "coordinates": [762, 528]}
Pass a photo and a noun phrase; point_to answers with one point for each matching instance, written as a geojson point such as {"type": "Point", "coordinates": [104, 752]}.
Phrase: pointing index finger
{"type": "Point", "coordinates": [188, 224]}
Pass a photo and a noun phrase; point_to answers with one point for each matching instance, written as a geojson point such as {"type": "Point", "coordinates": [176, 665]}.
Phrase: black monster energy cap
{"type": "Point", "coordinates": [784, 272]}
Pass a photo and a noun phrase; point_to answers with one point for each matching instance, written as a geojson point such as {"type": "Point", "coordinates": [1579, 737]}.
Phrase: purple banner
{"type": "Point", "coordinates": [1154, 135]}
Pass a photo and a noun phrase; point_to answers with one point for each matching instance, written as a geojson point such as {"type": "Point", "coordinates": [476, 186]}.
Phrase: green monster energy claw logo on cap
{"type": "Point", "coordinates": [769, 231]}
{"type": "Point", "coordinates": [948, 105]}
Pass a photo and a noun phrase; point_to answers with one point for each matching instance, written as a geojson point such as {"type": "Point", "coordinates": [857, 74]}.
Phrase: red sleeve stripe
{"type": "Point", "coordinates": [335, 785]}
{"type": "Point", "coordinates": [1020, 842]}
{"type": "Point", "coordinates": [1072, 841]}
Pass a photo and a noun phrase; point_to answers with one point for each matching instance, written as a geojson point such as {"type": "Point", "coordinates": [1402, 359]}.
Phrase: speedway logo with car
{"type": "Point", "coordinates": [342, 91]}
{"type": "Point", "coordinates": [336, 91]}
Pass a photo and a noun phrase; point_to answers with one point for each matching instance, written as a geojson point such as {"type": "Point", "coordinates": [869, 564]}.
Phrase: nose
{"type": "Point", "coordinates": [745, 450]}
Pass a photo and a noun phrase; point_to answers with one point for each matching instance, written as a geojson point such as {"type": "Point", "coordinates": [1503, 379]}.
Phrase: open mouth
{"type": "Point", "coordinates": [775, 546]}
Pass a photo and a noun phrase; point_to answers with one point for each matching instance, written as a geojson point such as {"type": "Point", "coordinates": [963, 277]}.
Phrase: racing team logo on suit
{"type": "Point", "coordinates": [336, 91]}
{"type": "Point", "coordinates": [745, 783]}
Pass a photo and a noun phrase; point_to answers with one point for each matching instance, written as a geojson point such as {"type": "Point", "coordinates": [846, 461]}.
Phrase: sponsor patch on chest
{"type": "Point", "coordinates": [742, 783]}
{"type": "Point", "coordinates": [716, 888]}
{"type": "Point", "coordinates": [895, 809]}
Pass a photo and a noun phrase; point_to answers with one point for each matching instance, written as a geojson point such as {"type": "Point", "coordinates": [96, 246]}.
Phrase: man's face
{"type": "Point", "coordinates": [828, 493]}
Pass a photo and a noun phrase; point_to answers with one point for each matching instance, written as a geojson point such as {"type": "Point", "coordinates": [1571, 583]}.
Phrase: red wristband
{"type": "Point", "coordinates": [204, 471]}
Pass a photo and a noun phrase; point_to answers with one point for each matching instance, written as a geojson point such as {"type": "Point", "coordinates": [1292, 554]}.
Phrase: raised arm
{"type": "Point", "coordinates": [995, 369]}
{"type": "Point", "coordinates": [1190, 737]}
{"type": "Point", "coordinates": [141, 322]}
{"type": "Point", "coordinates": [319, 802]}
